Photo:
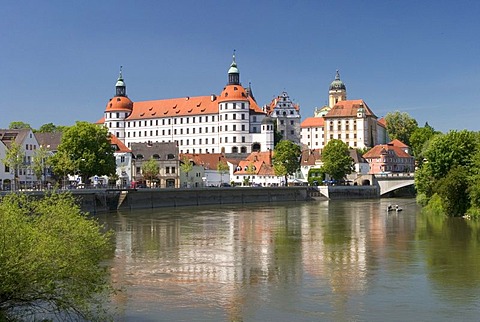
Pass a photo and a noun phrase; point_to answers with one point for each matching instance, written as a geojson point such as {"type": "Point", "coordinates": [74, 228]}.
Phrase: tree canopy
{"type": "Point", "coordinates": [336, 159]}
{"type": "Point", "coordinates": [51, 128]}
{"type": "Point", "coordinates": [88, 147]}
{"type": "Point", "coordinates": [51, 259]}
{"type": "Point", "coordinates": [14, 160]}
{"type": "Point", "coordinates": [222, 168]}
{"type": "Point", "coordinates": [19, 125]}
{"type": "Point", "coordinates": [419, 140]}
{"type": "Point", "coordinates": [450, 171]}
{"type": "Point", "coordinates": [400, 126]}
{"type": "Point", "coordinates": [286, 159]}
{"type": "Point", "coordinates": [150, 170]}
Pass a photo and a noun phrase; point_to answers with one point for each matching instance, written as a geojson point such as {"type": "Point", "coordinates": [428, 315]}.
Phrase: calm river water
{"type": "Point", "coordinates": [311, 261]}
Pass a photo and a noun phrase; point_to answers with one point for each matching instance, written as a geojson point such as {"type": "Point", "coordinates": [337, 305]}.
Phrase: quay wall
{"type": "Point", "coordinates": [97, 201]}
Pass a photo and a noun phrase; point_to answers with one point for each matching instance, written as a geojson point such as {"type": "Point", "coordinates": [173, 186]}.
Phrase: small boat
{"type": "Point", "coordinates": [394, 208]}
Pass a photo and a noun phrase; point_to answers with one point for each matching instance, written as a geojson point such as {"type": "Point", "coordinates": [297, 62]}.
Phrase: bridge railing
{"type": "Point", "coordinates": [395, 175]}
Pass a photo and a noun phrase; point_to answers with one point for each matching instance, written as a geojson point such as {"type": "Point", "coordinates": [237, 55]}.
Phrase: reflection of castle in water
{"type": "Point", "coordinates": [227, 258]}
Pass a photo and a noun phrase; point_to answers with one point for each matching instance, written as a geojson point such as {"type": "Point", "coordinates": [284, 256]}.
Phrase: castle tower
{"type": "Point", "coordinates": [337, 91]}
{"type": "Point", "coordinates": [234, 114]}
{"type": "Point", "coordinates": [118, 109]}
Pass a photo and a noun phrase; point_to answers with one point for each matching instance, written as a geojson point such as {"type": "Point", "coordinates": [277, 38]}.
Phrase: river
{"type": "Point", "coordinates": [305, 261]}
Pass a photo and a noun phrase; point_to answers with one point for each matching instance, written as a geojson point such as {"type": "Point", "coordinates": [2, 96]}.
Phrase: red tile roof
{"type": "Point", "coordinates": [313, 122]}
{"type": "Point", "coordinates": [173, 107]}
{"type": "Point", "coordinates": [378, 150]}
{"type": "Point", "coordinates": [119, 103]}
{"type": "Point", "coordinates": [209, 161]}
{"type": "Point", "coordinates": [349, 108]}
{"type": "Point", "coordinates": [398, 143]}
{"type": "Point", "coordinates": [382, 122]}
{"type": "Point", "coordinates": [120, 147]}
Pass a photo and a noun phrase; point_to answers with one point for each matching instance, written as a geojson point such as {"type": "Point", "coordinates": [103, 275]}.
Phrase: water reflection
{"type": "Point", "coordinates": [337, 260]}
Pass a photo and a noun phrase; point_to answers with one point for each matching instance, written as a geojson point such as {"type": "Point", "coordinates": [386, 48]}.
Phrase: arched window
{"type": "Point", "coordinates": [256, 147]}
{"type": "Point", "coordinates": [234, 149]}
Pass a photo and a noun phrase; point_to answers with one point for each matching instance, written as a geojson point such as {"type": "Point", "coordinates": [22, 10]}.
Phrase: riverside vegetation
{"type": "Point", "coordinates": [51, 257]}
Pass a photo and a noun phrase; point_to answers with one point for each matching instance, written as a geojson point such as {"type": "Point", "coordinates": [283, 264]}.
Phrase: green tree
{"type": "Point", "coordinates": [336, 159]}
{"type": "Point", "coordinates": [455, 150]}
{"type": "Point", "coordinates": [186, 166]}
{"type": "Point", "coordinates": [19, 125]}
{"type": "Point", "coordinates": [286, 159]}
{"type": "Point", "coordinates": [419, 141]}
{"type": "Point", "coordinates": [150, 170]}
{"type": "Point", "coordinates": [222, 168]}
{"type": "Point", "coordinates": [453, 191]}
{"type": "Point", "coordinates": [62, 165]}
{"type": "Point", "coordinates": [51, 259]}
{"type": "Point", "coordinates": [51, 128]}
{"type": "Point", "coordinates": [40, 163]}
{"type": "Point", "coordinates": [88, 146]}
{"type": "Point", "coordinates": [14, 160]}
{"type": "Point", "coordinates": [400, 126]}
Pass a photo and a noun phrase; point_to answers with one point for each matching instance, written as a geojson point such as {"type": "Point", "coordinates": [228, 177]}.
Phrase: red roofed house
{"type": "Point", "coordinates": [391, 157]}
{"type": "Point", "coordinates": [257, 170]}
{"type": "Point", "coordinates": [231, 122]}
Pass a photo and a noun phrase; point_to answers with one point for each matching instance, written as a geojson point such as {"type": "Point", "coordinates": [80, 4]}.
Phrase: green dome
{"type": "Point", "coordinates": [337, 84]}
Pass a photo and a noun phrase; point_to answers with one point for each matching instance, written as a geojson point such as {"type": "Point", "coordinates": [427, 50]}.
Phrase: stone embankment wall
{"type": "Point", "coordinates": [109, 200]}
{"type": "Point", "coordinates": [96, 201]}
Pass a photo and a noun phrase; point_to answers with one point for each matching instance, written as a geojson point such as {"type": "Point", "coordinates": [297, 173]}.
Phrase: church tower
{"type": "Point", "coordinates": [337, 91]}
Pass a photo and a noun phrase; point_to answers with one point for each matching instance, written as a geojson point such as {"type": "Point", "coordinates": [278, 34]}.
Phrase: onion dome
{"type": "Point", "coordinates": [337, 84]}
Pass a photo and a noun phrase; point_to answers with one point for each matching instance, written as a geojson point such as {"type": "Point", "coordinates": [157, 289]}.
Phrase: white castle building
{"type": "Point", "coordinates": [231, 122]}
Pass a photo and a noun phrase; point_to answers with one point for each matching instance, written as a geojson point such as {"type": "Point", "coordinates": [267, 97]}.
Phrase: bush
{"type": "Point", "coordinates": [50, 259]}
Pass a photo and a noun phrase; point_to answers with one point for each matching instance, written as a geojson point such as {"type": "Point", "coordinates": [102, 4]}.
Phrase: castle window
{"type": "Point", "coordinates": [243, 127]}
{"type": "Point", "coordinates": [234, 127]}
{"type": "Point", "coordinates": [234, 116]}
{"type": "Point", "coordinates": [234, 105]}
{"type": "Point", "coordinates": [243, 106]}
{"type": "Point", "coordinates": [226, 117]}
{"type": "Point", "coordinates": [243, 139]}
{"type": "Point", "coordinates": [243, 116]}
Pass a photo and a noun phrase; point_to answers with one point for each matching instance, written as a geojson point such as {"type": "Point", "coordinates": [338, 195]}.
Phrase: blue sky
{"type": "Point", "coordinates": [59, 60]}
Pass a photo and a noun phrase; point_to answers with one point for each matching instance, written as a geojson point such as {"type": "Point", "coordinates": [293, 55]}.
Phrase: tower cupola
{"type": "Point", "coordinates": [337, 84]}
{"type": "Point", "coordinates": [337, 91]}
{"type": "Point", "coordinates": [233, 73]}
{"type": "Point", "coordinates": [120, 87]}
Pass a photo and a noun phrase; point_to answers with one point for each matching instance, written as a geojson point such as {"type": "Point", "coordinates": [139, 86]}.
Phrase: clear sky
{"type": "Point", "coordinates": [59, 60]}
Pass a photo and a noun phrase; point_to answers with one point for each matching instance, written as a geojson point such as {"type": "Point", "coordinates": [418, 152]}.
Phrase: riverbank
{"type": "Point", "coordinates": [100, 200]}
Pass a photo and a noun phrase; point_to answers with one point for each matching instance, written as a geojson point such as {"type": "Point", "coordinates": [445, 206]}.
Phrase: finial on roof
{"type": "Point", "coordinates": [337, 76]}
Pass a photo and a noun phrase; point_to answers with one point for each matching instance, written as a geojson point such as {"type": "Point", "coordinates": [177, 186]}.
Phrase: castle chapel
{"type": "Point", "coordinates": [231, 122]}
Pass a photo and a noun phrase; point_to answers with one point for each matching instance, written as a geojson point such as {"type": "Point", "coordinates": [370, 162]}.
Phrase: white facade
{"type": "Point", "coordinates": [228, 123]}
{"type": "Point", "coordinates": [4, 175]}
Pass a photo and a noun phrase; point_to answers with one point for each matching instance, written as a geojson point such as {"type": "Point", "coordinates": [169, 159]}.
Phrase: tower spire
{"type": "Point", "coordinates": [233, 72]}
{"type": "Point", "coordinates": [120, 87]}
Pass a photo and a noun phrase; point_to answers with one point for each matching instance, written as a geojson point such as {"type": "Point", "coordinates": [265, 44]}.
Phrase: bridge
{"type": "Point", "coordinates": [389, 182]}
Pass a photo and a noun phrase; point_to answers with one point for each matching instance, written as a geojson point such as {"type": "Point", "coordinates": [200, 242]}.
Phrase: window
{"type": "Point", "coordinates": [173, 169]}
{"type": "Point", "coordinates": [234, 127]}
{"type": "Point", "coordinates": [226, 117]}
{"type": "Point", "coordinates": [243, 127]}
{"type": "Point", "coordinates": [243, 116]}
